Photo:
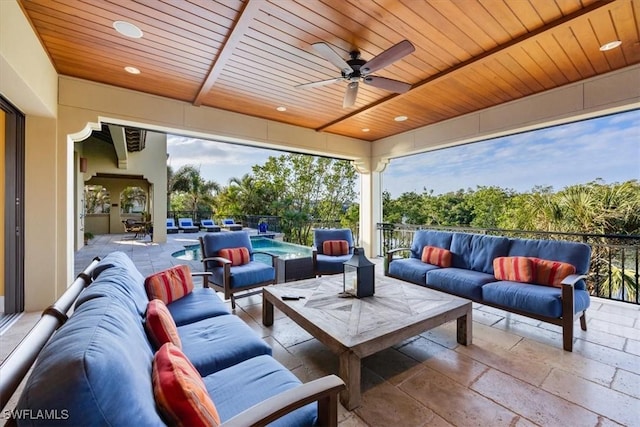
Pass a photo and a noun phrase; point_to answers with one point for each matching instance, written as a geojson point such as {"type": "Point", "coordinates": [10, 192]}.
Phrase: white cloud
{"type": "Point", "coordinates": [218, 161]}
{"type": "Point", "coordinates": [607, 148]}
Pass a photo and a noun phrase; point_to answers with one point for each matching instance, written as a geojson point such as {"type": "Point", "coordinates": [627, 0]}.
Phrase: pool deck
{"type": "Point", "coordinates": [149, 257]}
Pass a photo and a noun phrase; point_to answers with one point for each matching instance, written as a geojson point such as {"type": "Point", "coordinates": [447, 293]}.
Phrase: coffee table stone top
{"type": "Point", "coordinates": [397, 311]}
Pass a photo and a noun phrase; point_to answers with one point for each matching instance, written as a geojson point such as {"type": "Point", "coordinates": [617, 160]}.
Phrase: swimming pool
{"type": "Point", "coordinates": [283, 250]}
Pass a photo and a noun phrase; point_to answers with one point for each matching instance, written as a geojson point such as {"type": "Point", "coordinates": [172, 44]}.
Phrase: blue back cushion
{"type": "Point", "coordinates": [576, 254]}
{"type": "Point", "coordinates": [477, 251]}
{"type": "Point", "coordinates": [422, 238]}
{"type": "Point", "coordinates": [225, 240]}
{"type": "Point", "coordinates": [119, 278]}
{"type": "Point", "coordinates": [96, 369]}
{"type": "Point", "coordinates": [321, 235]}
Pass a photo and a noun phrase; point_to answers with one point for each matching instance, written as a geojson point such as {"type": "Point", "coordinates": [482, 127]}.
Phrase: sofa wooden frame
{"type": "Point", "coordinates": [15, 367]}
{"type": "Point", "coordinates": [568, 302]}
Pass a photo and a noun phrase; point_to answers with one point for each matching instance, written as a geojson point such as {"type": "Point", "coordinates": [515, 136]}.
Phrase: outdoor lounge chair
{"type": "Point", "coordinates": [231, 225]}
{"type": "Point", "coordinates": [171, 226]}
{"type": "Point", "coordinates": [133, 226]}
{"type": "Point", "coordinates": [186, 225]}
{"type": "Point", "coordinates": [229, 256]}
{"type": "Point", "coordinates": [209, 225]}
{"type": "Point", "coordinates": [331, 248]}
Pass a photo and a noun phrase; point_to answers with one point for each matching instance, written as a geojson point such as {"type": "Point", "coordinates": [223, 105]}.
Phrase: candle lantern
{"type": "Point", "coordinates": [358, 276]}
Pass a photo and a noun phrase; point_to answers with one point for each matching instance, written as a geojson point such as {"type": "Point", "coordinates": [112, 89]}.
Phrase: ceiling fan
{"type": "Point", "coordinates": [355, 70]}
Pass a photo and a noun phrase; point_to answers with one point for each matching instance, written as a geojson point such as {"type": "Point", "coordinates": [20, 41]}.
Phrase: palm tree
{"type": "Point", "coordinates": [199, 191]}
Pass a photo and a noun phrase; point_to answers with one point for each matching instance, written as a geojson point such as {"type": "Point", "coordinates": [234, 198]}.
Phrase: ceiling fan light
{"type": "Point", "coordinates": [127, 29]}
{"type": "Point", "coordinates": [611, 45]}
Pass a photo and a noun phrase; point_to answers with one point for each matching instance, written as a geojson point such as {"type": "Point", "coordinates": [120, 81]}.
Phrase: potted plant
{"type": "Point", "coordinates": [87, 236]}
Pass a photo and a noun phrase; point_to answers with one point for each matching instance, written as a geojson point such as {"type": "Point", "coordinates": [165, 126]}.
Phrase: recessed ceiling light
{"type": "Point", "coordinates": [281, 108]}
{"type": "Point", "coordinates": [400, 118]}
{"type": "Point", "coordinates": [127, 29]}
{"type": "Point", "coordinates": [611, 45]}
{"type": "Point", "coordinates": [132, 70]}
{"type": "Point", "coordinates": [365, 129]}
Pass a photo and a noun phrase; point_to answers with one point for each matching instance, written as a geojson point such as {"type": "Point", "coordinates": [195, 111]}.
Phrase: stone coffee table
{"type": "Point", "coordinates": [355, 328]}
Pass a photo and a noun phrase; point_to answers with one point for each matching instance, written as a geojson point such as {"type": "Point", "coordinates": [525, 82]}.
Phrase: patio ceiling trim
{"type": "Point", "coordinates": [475, 60]}
{"type": "Point", "coordinates": [120, 145]}
{"type": "Point", "coordinates": [247, 14]}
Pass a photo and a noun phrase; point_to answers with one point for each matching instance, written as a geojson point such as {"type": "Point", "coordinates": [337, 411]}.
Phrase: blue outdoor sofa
{"type": "Point", "coordinates": [97, 368]}
{"type": "Point", "coordinates": [471, 275]}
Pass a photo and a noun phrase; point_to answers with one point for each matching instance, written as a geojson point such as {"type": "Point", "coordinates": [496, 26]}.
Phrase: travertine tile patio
{"type": "Point", "coordinates": [514, 374]}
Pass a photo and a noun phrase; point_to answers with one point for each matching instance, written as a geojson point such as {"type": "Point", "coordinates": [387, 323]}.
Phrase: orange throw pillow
{"type": "Point", "coordinates": [179, 390]}
{"type": "Point", "coordinates": [551, 273]}
{"type": "Point", "coordinates": [237, 256]}
{"type": "Point", "coordinates": [169, 285]}
{"type": "Point", "coordinates": [335, 247]}
{"type": "Point", "coordinates": [436, 256]}
{"type": "Point", "coordinates": [160, 325]}
{"type": "Point", "coordinates": [513, 269]}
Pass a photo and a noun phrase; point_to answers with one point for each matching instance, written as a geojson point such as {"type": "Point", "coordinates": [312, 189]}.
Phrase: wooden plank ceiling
{"type": "Point", "coordinates": [248, 56]}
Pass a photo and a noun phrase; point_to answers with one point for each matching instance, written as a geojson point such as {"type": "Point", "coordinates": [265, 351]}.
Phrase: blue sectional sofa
{"type": "Point", "coordinates": [97, 368]}
{"type": "Point", "coordinates": [471, 274]}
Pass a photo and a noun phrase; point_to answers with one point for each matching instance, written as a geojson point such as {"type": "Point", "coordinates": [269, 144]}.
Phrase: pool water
{"type": "Point", "coordinates": [283, 250]}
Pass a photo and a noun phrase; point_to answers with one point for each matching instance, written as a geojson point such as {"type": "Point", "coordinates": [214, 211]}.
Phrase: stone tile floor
{"type": "Point", "coordinates": [514, 374]}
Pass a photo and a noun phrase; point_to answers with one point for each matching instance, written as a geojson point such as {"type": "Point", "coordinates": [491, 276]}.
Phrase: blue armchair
{"type": "Point", "coordinates": [234, 273]}
{"type": "Point", "coordinates": [324, 260]}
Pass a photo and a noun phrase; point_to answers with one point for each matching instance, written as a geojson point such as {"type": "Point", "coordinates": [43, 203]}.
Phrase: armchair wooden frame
{"type": "Point", "coordinates": [225, 287]}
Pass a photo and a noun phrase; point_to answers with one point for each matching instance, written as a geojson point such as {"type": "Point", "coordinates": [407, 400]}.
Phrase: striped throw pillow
{"type": "Point", "coordinates": [436, 256]}
{"type": "Point", "coordinates": [551, 273]}
{"type": "Point", "coordinates": [179, 391]}
{"type": "Point", "coordinates": [237, 256]}
{"type": "Point", "coordinates": [513, 269]}
{"type": "Point", "coordinates": [335, 247]}
{"type": "Point", "coordinates": [160, 325]}
{"type": "Point", "coordinates": [169, 285]}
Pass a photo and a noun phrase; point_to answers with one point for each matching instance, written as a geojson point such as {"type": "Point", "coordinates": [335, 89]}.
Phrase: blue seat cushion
{"type": "Point", "coordinates": [458, 281]}
{"type": "Point", "coordinates": [331, 264]}
{"type": "Point", "coordinates": [241, 386]}
{"type": "Point", "coordinates": [537, 299]}
{"type": "Point", "coordinates": [219, 342]}
{"type": "Point", "coordinates": [245, 275]}
{"type": "Point", "coordinates": [411, 269]}
{"type": "Point", "coordinates": [96, 369]}
{"type": "Point", "coordinates": [200, 304]}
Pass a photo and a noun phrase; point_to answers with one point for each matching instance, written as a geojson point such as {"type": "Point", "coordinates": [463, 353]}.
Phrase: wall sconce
{"type": "Point", "coordinates": [83, 164]}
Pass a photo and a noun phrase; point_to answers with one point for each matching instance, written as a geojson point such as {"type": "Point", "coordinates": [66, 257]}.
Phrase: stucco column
{"type": "Point", "coordinates": [370, 202]}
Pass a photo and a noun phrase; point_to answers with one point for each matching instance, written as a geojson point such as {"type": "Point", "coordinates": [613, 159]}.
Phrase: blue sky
{"type": "Point", "coordinates": [606, 148]}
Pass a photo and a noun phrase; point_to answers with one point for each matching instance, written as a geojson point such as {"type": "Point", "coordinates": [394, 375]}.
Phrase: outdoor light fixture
{"type": "Point", "coordinates": [358, 277]}
{"type": "Point", "coordinates": [132, 70]}
{"type": "Point", "coordinates": [127, 29]}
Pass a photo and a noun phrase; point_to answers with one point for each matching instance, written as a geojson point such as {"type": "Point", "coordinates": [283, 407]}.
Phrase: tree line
{"type": "Point", "coordinates": [594, 207]}
{"type": "Point", "coordinates": [299, 189]}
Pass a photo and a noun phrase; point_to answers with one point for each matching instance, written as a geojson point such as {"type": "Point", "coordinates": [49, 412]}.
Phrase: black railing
{"type": "Point", "coordinates": [615, 258]}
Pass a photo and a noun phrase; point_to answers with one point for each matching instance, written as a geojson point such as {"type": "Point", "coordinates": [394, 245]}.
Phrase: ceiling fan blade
{"type": "Point", "coordinates": [331, 56]}
{"type": "Point", "coordinates": [318, 83]}
{"type": "Point", "coordinates": [350, 95]}
{"type": "Point", "coordinates": [387, 84]}
{"type": "Point", "coordinates": [387, 57]}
